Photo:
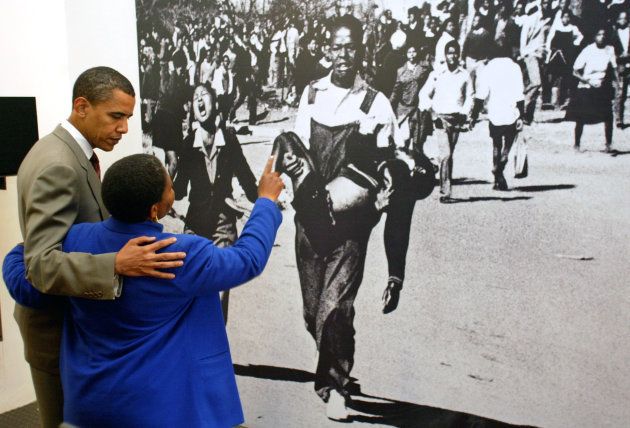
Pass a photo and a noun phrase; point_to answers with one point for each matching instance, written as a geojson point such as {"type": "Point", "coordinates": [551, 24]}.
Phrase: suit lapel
{"type": "Point", "coordinates": [92, 178]}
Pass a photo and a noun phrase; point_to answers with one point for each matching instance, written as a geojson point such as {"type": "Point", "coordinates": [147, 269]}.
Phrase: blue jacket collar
{"type": "Point", "coordinates": [146, 227]}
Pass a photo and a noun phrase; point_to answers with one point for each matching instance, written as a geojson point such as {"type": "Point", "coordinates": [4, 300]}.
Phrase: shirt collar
{"type": "Point", "coordinates": [86, 147]}
{"type": "Point", "coordinates": [325, 83]}
{"type": "Point", "coordinates": [219, 138]}
{"type": "Point", "coordinates": [458, 70]}
{"type": "Point", "coordinates": [145, 227]}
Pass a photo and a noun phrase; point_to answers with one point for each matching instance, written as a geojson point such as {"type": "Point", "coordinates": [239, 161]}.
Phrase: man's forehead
{"type": "Point", "coordinates": [342, 34]}
{"type": "Point", "coordinates": [118, 101]}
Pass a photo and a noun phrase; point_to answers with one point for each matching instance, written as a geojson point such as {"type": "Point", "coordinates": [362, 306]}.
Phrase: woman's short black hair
{"type": "Point", "coordinates": [132, 185]}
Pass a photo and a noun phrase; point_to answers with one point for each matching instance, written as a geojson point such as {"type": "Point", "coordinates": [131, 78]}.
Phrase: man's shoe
{"type": "Point", "coordinates": [244, 130]}
{"type": "Point", "coordinates": [607, 149]}
{"type": "Point", "coordinates": [336, 408]}
{"type": "Point", "coordinates": [500, 183]}
{"type": "Point", "coordinates": [391, 295]}
{"type": "Point", "coordinates": [286, 147]}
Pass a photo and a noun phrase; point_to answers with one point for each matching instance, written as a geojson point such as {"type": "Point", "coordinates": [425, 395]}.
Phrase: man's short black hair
{"type": "Point", "coordinates": [97, 84]}
{"type": "Point", "coordinates": [349, 22]}
{"type": "Point", "coordinates": [500, 49]}
{"type": "Point", "coordinates": [452, 44]}
{"type": "Point", "coordinates": [448, 21]}
{"type": "Point", "coordinates": [132, 185]}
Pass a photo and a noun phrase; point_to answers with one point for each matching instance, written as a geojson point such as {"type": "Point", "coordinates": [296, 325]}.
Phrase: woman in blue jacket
{"type": "Point", "coordinates": [158, 355]}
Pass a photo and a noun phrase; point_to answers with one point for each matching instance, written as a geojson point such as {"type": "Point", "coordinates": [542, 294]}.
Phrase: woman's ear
{"type": "Point", "coordinates": [153, 213]}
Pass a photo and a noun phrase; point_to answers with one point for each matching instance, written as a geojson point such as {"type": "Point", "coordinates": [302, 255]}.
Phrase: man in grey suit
{"type": "Point", "coordinates": [58, 186]}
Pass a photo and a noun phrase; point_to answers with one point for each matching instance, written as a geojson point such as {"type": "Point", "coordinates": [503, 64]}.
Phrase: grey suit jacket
{"type": "Point", "coordinates": [58, 187]}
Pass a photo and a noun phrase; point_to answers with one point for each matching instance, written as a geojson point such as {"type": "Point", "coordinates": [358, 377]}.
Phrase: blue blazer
{"type": "Point", "coordinates": [22, 291]}
{"type": "Point", "coordinates": [158, 356]}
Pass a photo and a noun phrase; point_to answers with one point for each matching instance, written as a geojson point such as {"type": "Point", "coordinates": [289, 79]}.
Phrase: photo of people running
{"type": "Point", "coordinates": [430, 148]}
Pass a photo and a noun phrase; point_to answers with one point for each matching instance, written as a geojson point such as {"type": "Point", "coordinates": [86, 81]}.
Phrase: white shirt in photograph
{"type": "Point", "coordinates": [336, 106]}
{"type": "Point", "coordinates": [293, 36]}
{"type": "Point", "coordinates": [533, 35]}
{"type": "Point", "coordinates": [206, 70]}
{"type": "Point", "coordinates": [278, 43]}
{"type": "Point", "coordinates": [624, 37]}
{"type": "Point", "coordinates": [594, 62]}
{"type": "Point", "coordinates": [500, 85]}
{"type": "Point", "coordinates": [218, 80]}
{"type": "Point", "coordinates": [447, 92]}
{"type": "Point", "coordinates": [559, 27]}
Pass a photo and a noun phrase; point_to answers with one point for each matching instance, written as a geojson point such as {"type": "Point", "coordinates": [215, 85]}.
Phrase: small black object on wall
{"type": "Point", "coordinates": [18, 133]}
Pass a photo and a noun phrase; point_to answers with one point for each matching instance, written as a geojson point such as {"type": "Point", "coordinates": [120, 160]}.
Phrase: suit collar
{"type": "Point", "coordinates": [67, 138]}
{"type": "Point", "coordinates": [92, 178]}
{"type": "Point", "coordinates": [146, 227]}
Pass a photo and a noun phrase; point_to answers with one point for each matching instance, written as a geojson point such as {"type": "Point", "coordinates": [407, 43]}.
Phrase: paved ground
{"type": "Point", "coordinates": [499, 317]}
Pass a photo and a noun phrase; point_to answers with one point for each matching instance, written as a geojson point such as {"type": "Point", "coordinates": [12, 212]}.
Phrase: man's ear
{"type": "Point", "coordinates": [80, 105]}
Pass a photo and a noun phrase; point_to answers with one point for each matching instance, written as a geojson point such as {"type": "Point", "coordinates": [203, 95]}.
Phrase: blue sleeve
{"type": "Point", "coordinates": [14, 275]}
{"type": "Point", "coordinates": [208, 269]}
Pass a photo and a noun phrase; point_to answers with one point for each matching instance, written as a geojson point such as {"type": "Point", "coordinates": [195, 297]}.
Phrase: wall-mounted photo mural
{"type": "Point", "coordinates": [456, 233]}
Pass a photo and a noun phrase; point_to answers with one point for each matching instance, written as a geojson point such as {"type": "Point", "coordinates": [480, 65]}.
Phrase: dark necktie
{"type": "Point", "coordinates": [95, 163]}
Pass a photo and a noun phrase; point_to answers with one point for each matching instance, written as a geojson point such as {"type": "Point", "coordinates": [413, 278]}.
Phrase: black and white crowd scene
{"type": "Point", "coordinates": [367, 91]}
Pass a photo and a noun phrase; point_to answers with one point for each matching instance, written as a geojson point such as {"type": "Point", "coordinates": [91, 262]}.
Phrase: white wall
{"type": "Point", "coordinates": [44, 45]}
{"type": "Point", "coordinates": [104, 33]}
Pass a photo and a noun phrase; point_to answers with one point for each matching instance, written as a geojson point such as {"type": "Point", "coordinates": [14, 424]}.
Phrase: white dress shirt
{"type": "Point", "coordinates": [86, 147]}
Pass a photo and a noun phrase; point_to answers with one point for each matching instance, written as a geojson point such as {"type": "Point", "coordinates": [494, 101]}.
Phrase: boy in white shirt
{"type": "Point", "coordinates": [449, 93]}
{"type": "Point", "coordinates": [500, 88]}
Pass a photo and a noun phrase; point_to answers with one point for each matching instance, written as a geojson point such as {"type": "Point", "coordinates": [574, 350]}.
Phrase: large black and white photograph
{"type": "Point", "coordinates": [455, 238]}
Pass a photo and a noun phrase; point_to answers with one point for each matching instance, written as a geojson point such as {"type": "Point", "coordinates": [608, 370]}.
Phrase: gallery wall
{"type": "Point", "coordinates": [45, 46]}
